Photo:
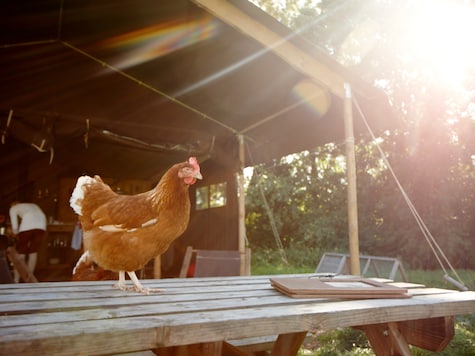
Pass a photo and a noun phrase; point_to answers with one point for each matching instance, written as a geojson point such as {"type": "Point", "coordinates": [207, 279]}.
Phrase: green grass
{"type": "Point", "coordinates": [351, 342]}
{"type": "Point", "coordinates": [435, 278]}
{"type": "Point", "coordinates": [268, 261]}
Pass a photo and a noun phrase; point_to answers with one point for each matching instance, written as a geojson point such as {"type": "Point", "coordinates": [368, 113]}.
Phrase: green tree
{"type": "Point", "coordinates": [433, 155]}
{"type": "Point", "coordinates": [306, 198]}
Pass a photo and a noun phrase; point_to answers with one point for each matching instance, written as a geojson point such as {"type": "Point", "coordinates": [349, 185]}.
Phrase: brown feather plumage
{"type": "Point", "coordinates": [124, 232]}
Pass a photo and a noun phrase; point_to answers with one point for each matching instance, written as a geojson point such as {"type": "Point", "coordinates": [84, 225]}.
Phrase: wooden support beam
{"type": "Point", "coordinates": [203, 349]}
{"type": "Point", "coordinates": [157, 267]}
{"type": "Point", "coordinates": [241, 198]}
{"type": "Point", "coordinates": [400, 343]}
{"type": "Point", "coordinates": [388, 339]}
{"type": "Point", "coordinates": [355, 268]}
{"type": "Point", "coordinates": [288, 344]}
{"type": "Point", "coordinates": [231, 350]}
{"type": "Point", "coordinates": [430, 334]}
{"type": "Point", "coordinates": [300, 60]}
{"type": "Point", "coordinates": [186, 262]}
{"type": "Point", "coordinates": [212, 349]}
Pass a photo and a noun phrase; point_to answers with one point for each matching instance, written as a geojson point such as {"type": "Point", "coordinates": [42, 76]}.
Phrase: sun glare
{"type": "Point", "coordinates": [441, 34]}
{"type": "Point", "coordinates": [161, 39]}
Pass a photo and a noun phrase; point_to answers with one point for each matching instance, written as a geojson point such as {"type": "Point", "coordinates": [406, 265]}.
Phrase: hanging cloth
{"type": "Point", "coordinates": [76, 242]}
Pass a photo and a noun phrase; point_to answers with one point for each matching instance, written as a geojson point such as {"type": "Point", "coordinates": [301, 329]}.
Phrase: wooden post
{"type": "Point", "coordinates": [241, 208]}
{"type": "Point", "coordinates": [351, 176]}
{"type": "Point", "coordinates": [157, 267]}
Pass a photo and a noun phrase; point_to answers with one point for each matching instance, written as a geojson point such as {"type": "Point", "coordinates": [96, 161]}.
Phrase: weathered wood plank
{"type": "Point", "coordinates": [87, 309]}
{"type": "Point", "coordinates": [127, 310]}
{"type": "Point", "coordinates": [129, 296]}
{"type": "Point", "coordinates": [191, 327]}
{"type": "Point", "coordinates": [151, 282]}
{"type": "Point", "coordinates": [40, 291]}
{"type": "Point", "coordinates": [28, 306]}
{"type": "Point", "coordinates": [92, 318]}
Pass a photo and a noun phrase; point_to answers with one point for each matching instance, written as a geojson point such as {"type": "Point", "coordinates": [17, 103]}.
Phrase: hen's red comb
{"type": "Point", "coordinates": [194, 162]}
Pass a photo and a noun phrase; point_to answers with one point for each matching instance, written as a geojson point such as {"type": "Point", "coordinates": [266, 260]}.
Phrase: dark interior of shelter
{"type": "Point", "coordinates": [125, 89]}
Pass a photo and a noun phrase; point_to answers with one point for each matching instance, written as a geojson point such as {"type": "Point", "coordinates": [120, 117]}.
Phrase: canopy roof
{"type": "Point", "coordinates": [127, 88]}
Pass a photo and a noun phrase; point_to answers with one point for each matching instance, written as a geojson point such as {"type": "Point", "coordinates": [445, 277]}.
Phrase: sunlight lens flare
{"type": "Point", "coordinates": [441, 34]}
{"type": "Point", "coordinates": [315, 97]}
{"type": "Point", "coordinates": [161, 39]}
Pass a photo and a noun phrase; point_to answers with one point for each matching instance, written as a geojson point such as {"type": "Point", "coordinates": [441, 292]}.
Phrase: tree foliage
{"type": "Point", "coordinates": [432, 156]}
{"type": "Point", "coordinates": [304, 197]}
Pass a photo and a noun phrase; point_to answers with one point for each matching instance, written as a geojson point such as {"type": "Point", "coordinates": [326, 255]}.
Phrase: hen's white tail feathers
{"type": "Point", "coordinates": [78, 193]}
{"type": "Point", "coordinates": [84, 260]}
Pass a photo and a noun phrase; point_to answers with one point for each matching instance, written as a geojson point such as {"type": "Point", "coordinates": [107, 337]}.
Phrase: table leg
{"type": "Point", "coordinates": [203, 349]}
{"type": "Point", "coordinates": [288, 344]}
{"type": "Point", "coordinates": [386, 339]}
{"type": "Point", "coordinates": [432, 334]}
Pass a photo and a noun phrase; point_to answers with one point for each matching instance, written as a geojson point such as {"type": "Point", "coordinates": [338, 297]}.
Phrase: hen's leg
{"type": "Point", "coordinates": [138, 286]}
{"type": "Point", "coordinates": [121, 284]}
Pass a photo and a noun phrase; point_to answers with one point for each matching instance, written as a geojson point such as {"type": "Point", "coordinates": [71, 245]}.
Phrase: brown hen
{"type": "Point", "coordinates": [123, 232]}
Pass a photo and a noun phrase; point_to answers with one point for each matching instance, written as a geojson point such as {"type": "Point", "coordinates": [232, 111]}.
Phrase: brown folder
{"type": "Point", "coordinates": [346, 288]}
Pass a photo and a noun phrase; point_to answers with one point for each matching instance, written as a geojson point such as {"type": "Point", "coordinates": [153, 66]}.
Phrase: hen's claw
{"type": "Point", "coordinates": [146, 291]}
{"type": "Point", "coordinates": [142, 290]}
{"type": "Point", "coordinates": [137, 287]}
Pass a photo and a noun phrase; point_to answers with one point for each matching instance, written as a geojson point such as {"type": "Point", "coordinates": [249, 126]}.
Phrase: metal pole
{"type": "Point", "coordinates": [241, 208]}
{"type": "Point", "coordinates": [351, 176]}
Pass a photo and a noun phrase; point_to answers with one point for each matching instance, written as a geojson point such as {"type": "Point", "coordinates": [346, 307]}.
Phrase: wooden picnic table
{"type": "Point", "coordinates": [211, 316]}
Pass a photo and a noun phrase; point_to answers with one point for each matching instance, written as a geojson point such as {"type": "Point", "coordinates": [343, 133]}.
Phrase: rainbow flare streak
{"type": "Point", "coordinates": [161, 39]}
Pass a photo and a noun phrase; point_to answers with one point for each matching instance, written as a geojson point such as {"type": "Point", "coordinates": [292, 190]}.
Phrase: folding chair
{"type": "Point", "coordinates": [212, 263]}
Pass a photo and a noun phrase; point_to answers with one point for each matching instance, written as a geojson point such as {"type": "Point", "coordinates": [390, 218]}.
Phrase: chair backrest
{"type": "Point", "coordinates": [371, 266]}
{"type": "Point", "coordinates": [212, 263]}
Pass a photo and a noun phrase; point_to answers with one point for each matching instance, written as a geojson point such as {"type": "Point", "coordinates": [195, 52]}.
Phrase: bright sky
{"type": "Point", "coordinates": [442, 36]}
{"type": "Point", "coordinates": [434, 35]}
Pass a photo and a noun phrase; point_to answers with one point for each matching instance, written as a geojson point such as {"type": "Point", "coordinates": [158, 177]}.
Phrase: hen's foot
{"type": "Point", "coordinates": [145, 290]}
{"type": "Point", "coordinates": [137, 289]}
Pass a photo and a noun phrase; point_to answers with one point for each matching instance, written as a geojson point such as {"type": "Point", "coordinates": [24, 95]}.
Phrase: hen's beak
{"type": "Point", "coordinates": [198, 175]}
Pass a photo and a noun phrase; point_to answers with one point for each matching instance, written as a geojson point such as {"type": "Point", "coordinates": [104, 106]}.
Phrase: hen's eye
{"type": "Point", "coordinates": [185, 172]}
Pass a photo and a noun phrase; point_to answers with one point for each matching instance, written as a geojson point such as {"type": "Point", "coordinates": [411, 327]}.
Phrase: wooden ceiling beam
{"type": "Point", "coordinates": [296, 57]}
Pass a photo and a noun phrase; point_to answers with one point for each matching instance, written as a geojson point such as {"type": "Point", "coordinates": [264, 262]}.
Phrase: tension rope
{"type": "Point", "coordinates": [434, 246]}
